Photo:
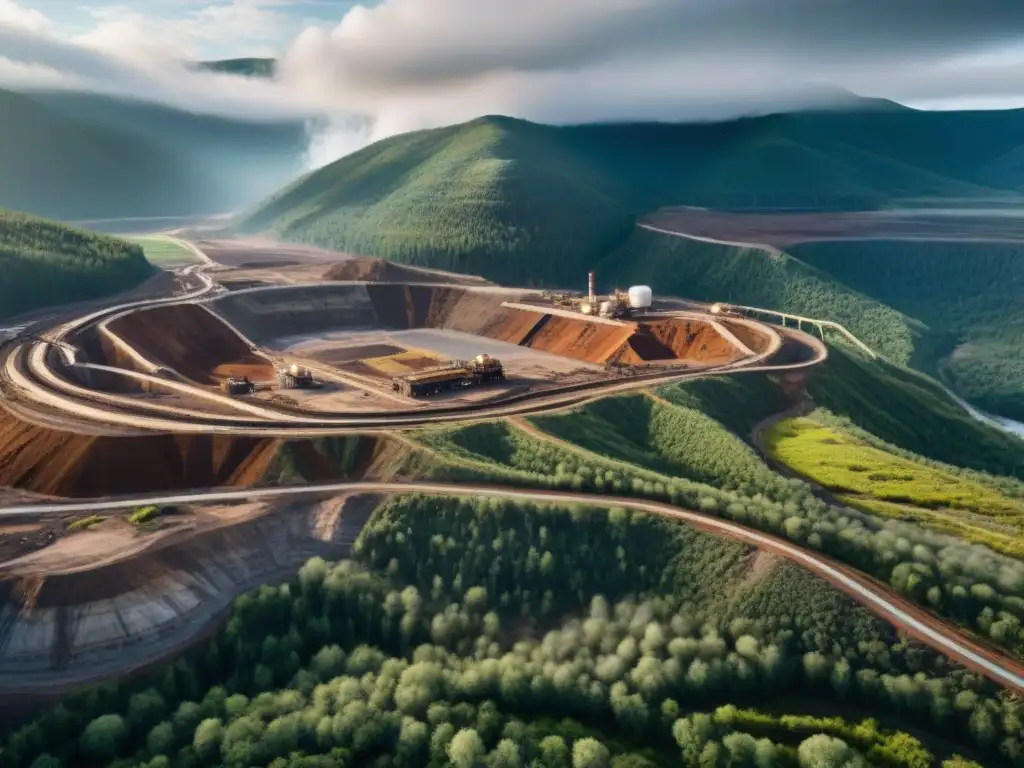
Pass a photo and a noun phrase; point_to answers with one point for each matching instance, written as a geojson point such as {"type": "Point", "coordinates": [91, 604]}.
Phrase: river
{"type": "Point", "coordinates": [999, 422]}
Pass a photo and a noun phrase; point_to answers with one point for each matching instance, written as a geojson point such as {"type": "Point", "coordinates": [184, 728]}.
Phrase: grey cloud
{"type": "Point", "coordinates": [413, 43]}
{"type": "Point", "coordinates": [407, 64]}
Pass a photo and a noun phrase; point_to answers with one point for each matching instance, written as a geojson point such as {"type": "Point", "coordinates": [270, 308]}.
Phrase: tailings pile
{"type": "Point", "coordinates": [192, 341]}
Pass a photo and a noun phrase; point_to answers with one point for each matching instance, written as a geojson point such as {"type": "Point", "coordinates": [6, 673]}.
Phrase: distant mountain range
{"type": "Point", "coordinates": [250, 67]}
{"type": "Point", "coordinates": [77, 156]}
{"type": "Point", "coordinates": [527, 203]}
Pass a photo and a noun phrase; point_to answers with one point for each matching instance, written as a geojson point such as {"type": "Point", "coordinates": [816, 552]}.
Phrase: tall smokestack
{"type": "Point", "coordinates": [590, 288]}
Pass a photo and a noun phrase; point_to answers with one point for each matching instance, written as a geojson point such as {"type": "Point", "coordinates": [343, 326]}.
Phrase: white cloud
{"type": "Point", "coordinates": [16, 16]}
{"type": "Point", "coordinates": [407, 64]}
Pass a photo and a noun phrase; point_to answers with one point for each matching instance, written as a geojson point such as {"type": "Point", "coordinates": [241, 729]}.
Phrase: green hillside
{"type": "Point", "coordinates": [712, 272]}
{"type": "Point", "coordinates": [82, 156]}
{"type": "Point", "coordinates": [43, 262]}
{"type": "Point", "coordinates": [475, 633]}
{"type": "Point", "coordinates": [970, 294]}
{"type": "Point", "coordinates": [517, 201]}
{"type": "Point", "coordinates": [494, 196]}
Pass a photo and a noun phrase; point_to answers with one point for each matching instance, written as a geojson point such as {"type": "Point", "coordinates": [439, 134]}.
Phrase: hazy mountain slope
{"type": "Point", "coordinates": [43, 262]}
{"type": "Point", "coordinates": [229, 162]}
{"type": "Point", "coordinates": [61, 167]}
{"type": "Point", "coordinates": [78, 156]}
{"type": "Point", "coordinates": [250, 67]}
{"type": "Point", "coordinates": [518, 201]}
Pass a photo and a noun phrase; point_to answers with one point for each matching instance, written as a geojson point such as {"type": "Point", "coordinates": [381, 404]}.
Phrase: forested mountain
{"type": "Point", "coordinates": [43, 262]}
{"type": "Point", "coordinates": [522, 202]}
{"type": "Point", "coordinates": [80, 156]}
{"type": "Point", "coordinates": [493, 634]}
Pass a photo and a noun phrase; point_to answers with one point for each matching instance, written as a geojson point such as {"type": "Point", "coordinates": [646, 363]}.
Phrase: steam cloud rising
{"type": "Point", "coordinates": [408, 64]}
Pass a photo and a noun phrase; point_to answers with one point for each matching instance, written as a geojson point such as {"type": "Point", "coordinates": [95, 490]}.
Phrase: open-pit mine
{"type": "Point", "coordinates": [270, 368]}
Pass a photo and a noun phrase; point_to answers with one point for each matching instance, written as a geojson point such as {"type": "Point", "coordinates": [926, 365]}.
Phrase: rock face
{"type": "Point", "coordinates": [59, 631]}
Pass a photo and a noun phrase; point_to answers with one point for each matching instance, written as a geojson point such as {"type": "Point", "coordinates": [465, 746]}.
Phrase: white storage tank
{"type": "Point", "coordinates": [640, 297]}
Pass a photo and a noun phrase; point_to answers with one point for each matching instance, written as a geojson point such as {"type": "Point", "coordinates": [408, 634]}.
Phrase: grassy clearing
{"type": "Point", "coordinates": [163, 252]}
{"type": "Point", "coordinates": [85, 523]}
{"type": "Point", "coordinates": [144, 515]}
{"type": "Point", "coordinates": [960, 523]}
{"type": "Point", "coordinates": [896, 486]}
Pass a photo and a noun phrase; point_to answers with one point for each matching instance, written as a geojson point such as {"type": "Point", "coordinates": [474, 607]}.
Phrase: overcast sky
{"type": "Point", "coordinates": [403, 64]}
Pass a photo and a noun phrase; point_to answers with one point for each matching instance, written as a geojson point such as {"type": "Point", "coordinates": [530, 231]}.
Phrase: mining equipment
{"type": "Point", "coordinates": [460, 374]}
{"type": "Point", "coordinates": [559, 299]}
{"type": "Point", "coordinates": [726, 310]}
{"type": "Point", "coordinates": [295, 377]}
{"type": "Point", "coordinates": [233, 386]}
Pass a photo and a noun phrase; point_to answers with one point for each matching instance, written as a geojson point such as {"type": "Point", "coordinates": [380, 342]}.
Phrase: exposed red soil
{"type": "Point", "coordinates": [192, 341]}
{"type": "Point", "coordinates": [675, 339]}
{"type": "Point", "coordinates": [578, 338]}
{"type": "Point", "coordinates": [58, 463]}
{"type": "Point", "coordinates": [581, 340]}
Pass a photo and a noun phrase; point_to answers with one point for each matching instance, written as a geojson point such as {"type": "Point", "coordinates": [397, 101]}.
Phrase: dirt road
{"type": "Point", "coordinates": [876, 597]}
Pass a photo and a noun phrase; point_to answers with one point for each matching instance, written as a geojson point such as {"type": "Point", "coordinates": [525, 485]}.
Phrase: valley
{"type": "Point", "coordinates": [362, 474]}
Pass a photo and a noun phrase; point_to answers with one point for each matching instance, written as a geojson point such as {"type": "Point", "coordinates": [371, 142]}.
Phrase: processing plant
{"type": "Point", "coordinates": [460, 374]}
{"type": "Point", "coordinates": [617, 305]}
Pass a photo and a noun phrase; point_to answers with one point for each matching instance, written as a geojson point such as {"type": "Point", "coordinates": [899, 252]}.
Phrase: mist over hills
{"type": "Point", "coordinates": [79, 155]}
{"type": "Point", "coordinates": [250, 67]}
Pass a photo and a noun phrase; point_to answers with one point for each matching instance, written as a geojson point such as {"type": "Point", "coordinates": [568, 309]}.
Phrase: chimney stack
{"type": "Point", "coordinates": [590, 288]}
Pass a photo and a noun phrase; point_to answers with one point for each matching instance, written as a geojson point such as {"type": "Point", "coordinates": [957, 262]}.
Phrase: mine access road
{"type": "Point", "coordinates": [876, 597]}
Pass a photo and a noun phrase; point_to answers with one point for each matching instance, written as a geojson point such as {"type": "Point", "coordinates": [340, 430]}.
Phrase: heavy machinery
{"type": "Point", "coordinates": [725, 310]}
{"type": "Point", "coordinates": [460, 374]}
{"type": "Point", "coordinates": [234, 386]}
{"type": "Point", "coordinates": [295, 377]}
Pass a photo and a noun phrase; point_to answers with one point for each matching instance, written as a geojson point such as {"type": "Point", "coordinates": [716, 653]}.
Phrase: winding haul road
{"type": "Point", "coordinates": [873, 595]}
{"type": "Point", "coordinates": [26, 368]}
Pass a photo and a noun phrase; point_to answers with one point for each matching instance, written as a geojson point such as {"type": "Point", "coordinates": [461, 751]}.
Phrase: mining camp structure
{"type": "Point", "coordinates": [460, 374]}
{"type": "Point", "coordinates": [617, 305]}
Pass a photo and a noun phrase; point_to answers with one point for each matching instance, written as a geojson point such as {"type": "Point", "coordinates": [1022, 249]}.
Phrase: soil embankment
{"type": "Point", "coordinates": [57, 463]}
{"type": "Point", "coordinates": [61, 630]}
{"type": "Point", "coordinates": [676, 339]}
{"type": "Point", "coordinates": [192, 341]}
{"type": "Point", "coordinates": [306, 310]}
{"type": "Point", "coordinates": [265, 316]}
{"type": "Point", "coordinates": [371, 270]}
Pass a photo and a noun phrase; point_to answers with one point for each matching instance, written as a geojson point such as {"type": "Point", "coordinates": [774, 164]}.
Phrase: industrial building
{"type": "Point", "coordinates": [618, 304]}
{"type": "Point", "coordinates": [461, 374]}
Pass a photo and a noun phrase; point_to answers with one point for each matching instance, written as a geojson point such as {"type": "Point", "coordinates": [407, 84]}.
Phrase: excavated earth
{"type": "Point", "coordinates": [191, 340]}
{"type": "Point", "coordinates": [269, 317]}
{"type": "Point", "coordinates": [57, 463]}
{"type": "Point", "coordinates": [62, 627]}
{"type": "Point", "coordinates": [368, 269]}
